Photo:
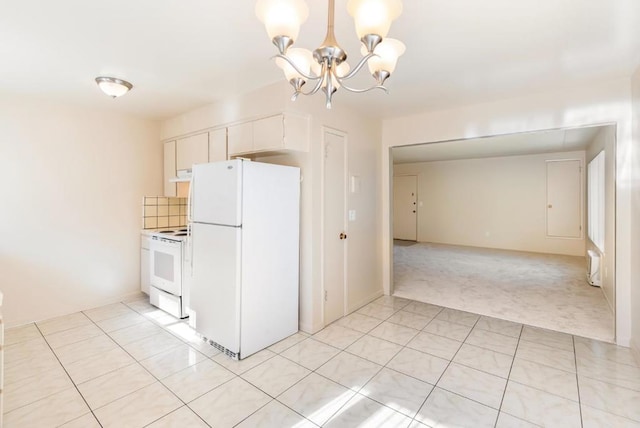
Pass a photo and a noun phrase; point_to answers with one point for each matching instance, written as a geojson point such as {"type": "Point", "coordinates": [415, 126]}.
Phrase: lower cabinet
{"type": "Point", "coordinates": [145, 265]}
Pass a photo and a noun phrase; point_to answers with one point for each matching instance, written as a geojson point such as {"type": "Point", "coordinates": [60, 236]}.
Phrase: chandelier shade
{"type": "Point", "coordinates": [387, 53]}
{"type": "Point", "coordinates": [374, 16]}
{"type": "Point", "coordinates": [302, 58]}
{"type": "Point", "coordinates": [326, 67]}
{"type": "Point", "coordinates": [282, 17]}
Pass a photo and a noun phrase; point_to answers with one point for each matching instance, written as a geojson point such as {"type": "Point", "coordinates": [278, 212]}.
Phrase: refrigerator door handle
{"type": "Point", "coordinates": [189, 248]}
{"type": "Point", "coordinates": [190, 200]}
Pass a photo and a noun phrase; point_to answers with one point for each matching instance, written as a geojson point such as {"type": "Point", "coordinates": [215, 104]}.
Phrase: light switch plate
{"type": "Point", "coordinates": [352, 215]}
{"type": "Point", "coordinates": [355, 183]}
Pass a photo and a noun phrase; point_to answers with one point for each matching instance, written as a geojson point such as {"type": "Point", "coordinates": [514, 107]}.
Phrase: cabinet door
{"type": "Point", "coordinates": [296, 133]}
{"type": "Point", "coordinates": [145, 274]}
{"type": "Point", "coordinates": [192, 150]}
{"type": "Point", "coordinates": [268, 134]}
{"type": "Point", "coordinates": [169, 168]}
{"type": "Point", "coordinates": [218, 145]}
{"type": "Point", "coordinates": [240, 138]}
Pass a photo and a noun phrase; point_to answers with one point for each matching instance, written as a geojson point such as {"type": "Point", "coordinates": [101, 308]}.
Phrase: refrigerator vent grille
{"type": "Point", "coordinates": [224, 350]}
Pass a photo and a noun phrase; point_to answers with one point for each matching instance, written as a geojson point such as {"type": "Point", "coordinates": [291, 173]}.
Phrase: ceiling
{"type": "Point", "coordinates": [183, 54]}
{"type": "Point", "coordinates": [527, 143]}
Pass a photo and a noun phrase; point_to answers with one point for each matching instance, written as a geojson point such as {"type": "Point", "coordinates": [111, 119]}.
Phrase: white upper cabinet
{"type": "Point", "coordinates": [268, 134]}
{"type": "Point", "coordinates": [240, 138]}
{"type": "Point", "coordinates": [169, 168]}
{"type": "Point", "coordinates": [278, 133]}
{"type": "Point", "coordinates": [192, 150]}
{"type": "Point", "coordinates": [218, 145]}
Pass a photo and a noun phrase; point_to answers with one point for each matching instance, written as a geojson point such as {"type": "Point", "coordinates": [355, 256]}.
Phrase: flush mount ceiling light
{"type": "Point", "coordinates": [326, 66]}
{"type": "Point", "coordinates": [113, 87]}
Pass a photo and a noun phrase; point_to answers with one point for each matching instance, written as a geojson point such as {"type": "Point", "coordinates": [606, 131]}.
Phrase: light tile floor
{"type": "Point", "coordinates": [393, 363]}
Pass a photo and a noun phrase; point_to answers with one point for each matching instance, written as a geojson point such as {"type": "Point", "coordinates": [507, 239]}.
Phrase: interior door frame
{"type": "Point", "coordinates": [344, 136]}
{"type": "Point", "coordinates": [388, 226]}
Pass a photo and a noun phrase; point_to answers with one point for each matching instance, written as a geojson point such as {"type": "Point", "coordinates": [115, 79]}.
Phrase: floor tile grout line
{"type": "Point", "coordinates": [575, 360]}
{"type": "Point", "coordinates": [355, 392]}
{"type": "Point", "coordinates": [235, 375]}
{"type": "Point", "coordinates": [72, 382]}
{"type": "Point", "coordinates": [64, 329]}
{"type": "Point", "coordinates": [136, 361]}
{"type": "Point", "coordinates": [435, 384]}
{"type": "Point", "coordinates": [513, 360]}
{"type": "Point", "coordinates": [173, 411]}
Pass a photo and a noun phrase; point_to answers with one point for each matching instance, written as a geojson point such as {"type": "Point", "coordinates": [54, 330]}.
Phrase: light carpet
{"type": "Point", "coordinates": [543, 290]}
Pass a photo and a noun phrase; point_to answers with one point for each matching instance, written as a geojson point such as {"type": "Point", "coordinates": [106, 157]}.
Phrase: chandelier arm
{"type": "Point", "coordinates": [356, 90]}
{"type": "Point", "coordinates": [295, 67]}
{"type": "Point", "coordinates": [358, 66]}
{"type": "Point", "coordinates": [359, 91]}
{"type": "Point", "coordinates": [315, 88]}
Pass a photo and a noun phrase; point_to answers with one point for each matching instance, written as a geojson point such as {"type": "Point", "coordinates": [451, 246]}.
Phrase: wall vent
{"type": "Point", "coordinates": [593, 268]}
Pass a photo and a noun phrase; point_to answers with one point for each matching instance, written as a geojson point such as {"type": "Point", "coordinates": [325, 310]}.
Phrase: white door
{"type": "Point", "coordinates": [334, 236]}
{"type": "Point", "coordinates": [405, 191]}
{"type": "Point", "coordinates": [216, 193]}
{"type": "Point", "coordinates": [564, 199]}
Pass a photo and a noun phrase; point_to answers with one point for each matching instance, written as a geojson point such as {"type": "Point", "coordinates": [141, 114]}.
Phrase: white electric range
{"type": "Point", "coordinates": [168, 289]}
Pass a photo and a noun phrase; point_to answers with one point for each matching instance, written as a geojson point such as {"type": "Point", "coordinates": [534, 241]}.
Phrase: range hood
{"type": "Point", "coordinates": [183, 176]}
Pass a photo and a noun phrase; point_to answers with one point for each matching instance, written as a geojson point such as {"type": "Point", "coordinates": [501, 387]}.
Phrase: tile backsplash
{"type": "Point", "coordinates": [160, 211]}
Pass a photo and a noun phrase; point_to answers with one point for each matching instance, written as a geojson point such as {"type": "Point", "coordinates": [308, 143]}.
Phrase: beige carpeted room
{"type": "Point", "coordinates": [519, 227]}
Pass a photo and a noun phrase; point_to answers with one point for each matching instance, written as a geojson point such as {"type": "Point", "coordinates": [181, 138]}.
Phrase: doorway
{"type": "Point", "coordinates": [334, 235]}
{"type": "Point", "coordinates": [505, 234]}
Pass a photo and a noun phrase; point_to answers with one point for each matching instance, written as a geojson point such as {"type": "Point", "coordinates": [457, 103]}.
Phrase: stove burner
{"type": "Point", "coordinates": [183, 230]}
{"type": "Point", "coordinates": [180, 234]}
{"type": "Point", "coordinates": [165, 231]}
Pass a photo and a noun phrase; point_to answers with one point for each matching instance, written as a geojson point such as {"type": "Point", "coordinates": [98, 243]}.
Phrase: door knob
{"type": "Point", "coordinates": [343, 235]}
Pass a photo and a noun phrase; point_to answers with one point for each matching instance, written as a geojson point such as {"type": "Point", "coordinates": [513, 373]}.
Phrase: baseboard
{"type": "Point", "coordinates": [310, 328]}
{"type": "Point", "coordinates": [357, 305]}
{"type": "Point", "coordinates": [606, 299]}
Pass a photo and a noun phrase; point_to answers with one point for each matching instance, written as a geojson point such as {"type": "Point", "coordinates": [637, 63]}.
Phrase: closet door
{"type": "Point", "coordinates": [564, 198]}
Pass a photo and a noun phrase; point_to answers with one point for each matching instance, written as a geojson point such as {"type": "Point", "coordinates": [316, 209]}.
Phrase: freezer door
{"type": "Point", "coordinates": [215, 284]}
{"type": "Point", "coordinates": [217, 193]}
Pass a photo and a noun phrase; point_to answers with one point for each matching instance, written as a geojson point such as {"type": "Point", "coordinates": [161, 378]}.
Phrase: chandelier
{"type": "Point", "coordinates": [326, 66]}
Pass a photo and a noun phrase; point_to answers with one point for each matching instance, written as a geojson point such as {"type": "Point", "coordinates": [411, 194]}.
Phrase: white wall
{"type": "Point", "coordinates": [598, 103]}
{"type": "Point", "coordinates": [72, 182]}
{"type": "Point", "coordinates": [492, 202]}
{"type": "Point", "coordinates": [363, 246]}
{"type": "Point", "coordinates": [605, 140]}
{"type": "Point", "coordinates": [634, 231]}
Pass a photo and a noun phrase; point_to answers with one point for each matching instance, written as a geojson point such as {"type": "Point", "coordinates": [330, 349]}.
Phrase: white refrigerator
{"type": "Point", "coordinates": [245, 228]}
